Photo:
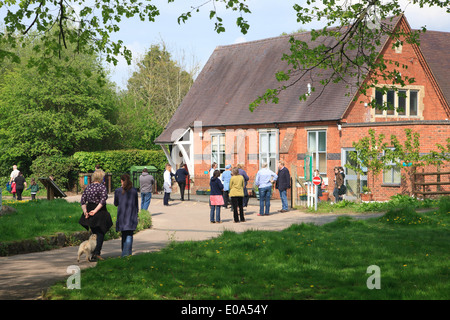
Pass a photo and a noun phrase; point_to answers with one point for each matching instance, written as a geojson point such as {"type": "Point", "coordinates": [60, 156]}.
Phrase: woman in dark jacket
{"type": "Point", "coordinates": [338, 182]}
{"type": "Point", "coordinates": [126, 201]}
{"type": "Point", "coordinates": [20, 185]}
{"type": "Point", "coordinates": [95, 215]}
{"type": "Point", "coordinates": [215, 198]}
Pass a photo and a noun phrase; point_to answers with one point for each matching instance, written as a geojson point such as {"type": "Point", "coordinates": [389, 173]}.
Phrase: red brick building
{"type": "Point", "coordinates": [214, 124]}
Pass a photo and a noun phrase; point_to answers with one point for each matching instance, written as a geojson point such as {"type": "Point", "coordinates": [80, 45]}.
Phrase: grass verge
{"type": "Point", "coordinates": [301, 262]}
{"type": "Point", "coordinates": [396, 202]}
{"type": "Point", "coordinates": [43, 218]}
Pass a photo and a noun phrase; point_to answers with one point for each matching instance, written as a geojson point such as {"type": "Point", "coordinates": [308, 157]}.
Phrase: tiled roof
{"type": "Point", "coordinates": [236, 75]}
{"type": "Point", "coordinates": [435, 47]}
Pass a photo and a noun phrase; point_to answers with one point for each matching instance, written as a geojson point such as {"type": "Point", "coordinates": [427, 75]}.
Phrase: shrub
{"type": "Point", "coordinates": [60, 167]}
{"type": "Point", "coordinates": [119, 160]}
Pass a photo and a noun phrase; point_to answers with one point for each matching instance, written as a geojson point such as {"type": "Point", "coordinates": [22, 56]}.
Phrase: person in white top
{"type": "Point", "coordinates": [211, 171]}
{"type": "Point", "coordinates": [14, 175]}
{"type": "Point", "coordinates": [264, 179]}
{"type": "Point", "coordinates": [167, 184]}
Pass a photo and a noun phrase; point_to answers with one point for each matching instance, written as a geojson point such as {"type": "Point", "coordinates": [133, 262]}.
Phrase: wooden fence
{"type": "Point", "coordinates": [420, 182]}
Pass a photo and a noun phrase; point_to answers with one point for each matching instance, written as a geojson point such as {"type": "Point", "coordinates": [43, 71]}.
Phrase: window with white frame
{"type": "Point", "coordinates": [403, 102]}
{"type": "Point", "coordinates": [268, 148]}
{"type": "Point", "coordinates": [218, 150]}
{"type": "Point", "coordinates": [317, 147]}
{"type": "Point", "coordinates": [392, 175]}
{"type": "Point", "coordinates": [351, 176]}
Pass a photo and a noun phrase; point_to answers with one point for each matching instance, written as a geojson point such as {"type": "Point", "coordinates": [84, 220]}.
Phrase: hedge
{"type": "Point", "coordinates": [119, 160]}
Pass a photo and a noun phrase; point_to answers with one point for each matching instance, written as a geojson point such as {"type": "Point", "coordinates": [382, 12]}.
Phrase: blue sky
{"type": "Point", "coordinates": [196, 39]}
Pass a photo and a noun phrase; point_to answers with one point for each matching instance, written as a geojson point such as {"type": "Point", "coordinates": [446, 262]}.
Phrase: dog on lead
{"type": "Point", "coordinates": [87, 247]}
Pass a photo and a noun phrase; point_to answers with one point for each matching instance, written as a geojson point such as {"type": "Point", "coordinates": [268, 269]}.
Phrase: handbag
{"type": "Point", "coordinates": [8, 187]}
{"type": "Point", "coordinates": [342, 189]}
{"type": "Point", "coordinates": [13, 187]}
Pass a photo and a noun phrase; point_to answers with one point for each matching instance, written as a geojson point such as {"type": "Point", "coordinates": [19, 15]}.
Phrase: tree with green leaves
{"type": "Point", "coordinates": [358, 28]}
{"type": "Point", "coordinates": [155, 90]}
{"type": "Point", "coordinates": [86, 27]}
{"type": "Point", "coordinates": [374, 155]}
{"type": "Point", "coordinates": [369, 156]}
{"type": "Point", "coordinates": [409, 157]}
{"type": "Point", "coordinates": [69, 107]}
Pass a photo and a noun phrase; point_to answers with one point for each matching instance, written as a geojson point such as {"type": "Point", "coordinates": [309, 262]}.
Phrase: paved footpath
{"type": "Point", "coordinates": [26, 276]}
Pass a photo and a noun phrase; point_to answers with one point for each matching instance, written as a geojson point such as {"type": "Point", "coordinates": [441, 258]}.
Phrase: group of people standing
{"type": "Point", "coordinates": [227, 188]}
{"type": "Point", "coordinates": [96, 217]}
{"type": "Point", "coordinates": [17, 184]}
{"type": "Point", "coordinates": [180, 177]}
{"type": "Point", "coordinates": [230, 187]}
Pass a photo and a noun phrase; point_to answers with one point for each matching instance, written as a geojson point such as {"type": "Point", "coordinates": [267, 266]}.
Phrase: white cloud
{"type": "Point", "coordinates": [433, 18]}
{"type": "Point", "coordinates": [240, 40]}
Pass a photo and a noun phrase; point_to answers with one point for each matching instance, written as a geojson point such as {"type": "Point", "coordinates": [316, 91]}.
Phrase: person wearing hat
{"type": "Point", "coordinates": [226, 177]}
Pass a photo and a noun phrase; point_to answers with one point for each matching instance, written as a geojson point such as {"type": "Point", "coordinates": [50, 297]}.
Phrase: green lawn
{"type": "Point", "coordinates": [46, 218]}
{"type": "Point", "coordinates": [302, 262]}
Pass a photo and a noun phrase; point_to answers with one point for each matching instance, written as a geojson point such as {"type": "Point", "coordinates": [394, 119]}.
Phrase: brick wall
{"type": "Point", "coordinates": [242, 144]}
{"type": "Point", "coordinates": [431, 122]}
{"type": "Point", "coordinates": [430, 101]}
{"type": "Point", "coordinates": [293, 146]}
{"type": "Point", "coordinates": [430, 135]}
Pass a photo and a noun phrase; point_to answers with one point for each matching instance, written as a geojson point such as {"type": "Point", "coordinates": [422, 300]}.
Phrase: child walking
{"type": "Point", "coordinates": [34, 188]}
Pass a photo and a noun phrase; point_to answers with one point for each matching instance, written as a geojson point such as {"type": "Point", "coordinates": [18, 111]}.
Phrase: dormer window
{"type": "Point", "coordinates": [397, 103]}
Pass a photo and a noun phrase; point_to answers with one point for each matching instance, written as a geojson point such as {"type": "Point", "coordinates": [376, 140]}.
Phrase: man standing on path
{"type": "Point", "coordinates": [283, 183]}
{"type": "Point", "coordinates": [180, 177]}
{"type": "Point", "coordinates": [264, 179]}
{"type": "Point", "coordinates": [146, 182]}
{"type": "Point", "coordinates": [167, 184]}
{"type": "Point", "coordinates": [226, 177]}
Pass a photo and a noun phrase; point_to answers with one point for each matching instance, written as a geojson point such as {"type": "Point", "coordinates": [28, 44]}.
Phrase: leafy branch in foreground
{"type": "Point", "coordinates": [234, 5]}
{"type": "Point", "coordinates": [88, 29]}
{"type": "Point", "coordinates": [346, 49]}
{"type": "Point", "coordinates": [87, 25]}
{"type": "Point", "coordinates": [357, 29]}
